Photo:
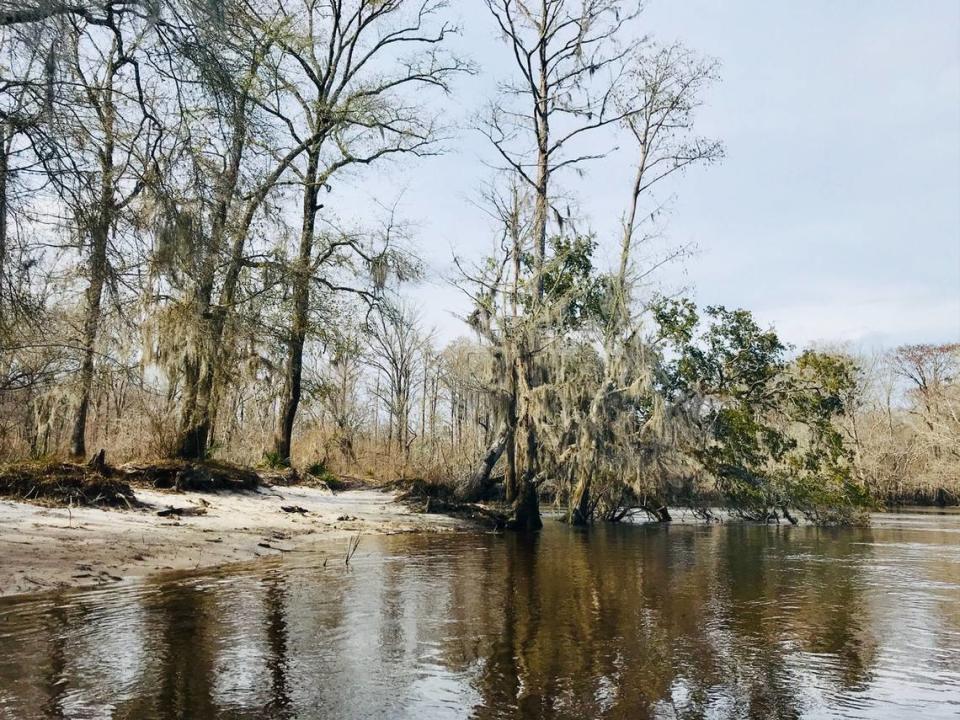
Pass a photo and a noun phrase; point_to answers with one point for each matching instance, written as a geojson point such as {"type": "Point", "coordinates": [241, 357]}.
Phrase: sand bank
{"type": "Point", "coordinates": [46, 548]}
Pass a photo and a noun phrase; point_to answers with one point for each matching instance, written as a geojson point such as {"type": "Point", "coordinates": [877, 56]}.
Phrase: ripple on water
{"type": "Point", "coordinates": [629, 622]}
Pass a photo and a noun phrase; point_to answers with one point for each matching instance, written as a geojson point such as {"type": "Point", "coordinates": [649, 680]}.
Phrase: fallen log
{"type": "Point", "coordinates": [182, 512]}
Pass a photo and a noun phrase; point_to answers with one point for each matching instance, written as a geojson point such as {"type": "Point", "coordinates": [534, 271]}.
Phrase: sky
{"type": "Point", "coordinates": [835, 216]}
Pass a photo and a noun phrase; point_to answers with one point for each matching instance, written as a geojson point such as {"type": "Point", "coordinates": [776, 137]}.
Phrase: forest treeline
{"type": "Point", "coordinates": [172, 284]}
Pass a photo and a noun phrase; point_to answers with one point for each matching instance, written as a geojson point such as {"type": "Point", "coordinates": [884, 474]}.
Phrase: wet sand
{"type": "Point", "coordinates": [46, 548]}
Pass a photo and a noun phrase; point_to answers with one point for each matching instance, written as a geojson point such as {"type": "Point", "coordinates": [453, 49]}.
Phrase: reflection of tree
{"type": "Point", "coordinates": [317, 631]}
{"type": "Point", "coordinates": [500, 681]}
{"type": "Point", "coordinates": [571, 631]}
{"type": "Point", "coordinates": [830, 620]}
{"type": "Point", "coordinates": [946, 611]}
{"type": "Point", "coordinates": [392, 605]}
{"type": "Point", "coordinates": [185, 657]}
{"type": "Point", "coordinates": [637, 622]}
{"type": "Point", "coordinates": [55, 675]}
{"type": "Point", "coordinates": [277, 661]}
{"type": "Point", "coordinates": [752, 614]}
{"type": "Point", "coordinates": [611, 622]}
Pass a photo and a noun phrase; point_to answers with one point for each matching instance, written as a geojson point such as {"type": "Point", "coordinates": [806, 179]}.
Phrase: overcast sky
{"type": "Point", "coordinates": [836, 213]}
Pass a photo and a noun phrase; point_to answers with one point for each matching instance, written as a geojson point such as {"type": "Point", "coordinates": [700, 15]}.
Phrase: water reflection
{"type": "Point", "coordinates": [618, 622]}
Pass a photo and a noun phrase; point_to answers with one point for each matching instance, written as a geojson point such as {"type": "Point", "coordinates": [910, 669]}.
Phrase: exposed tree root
{"type": "Point", "coordinates": [98, 484]}
{"type": "Point", "coordinates": [197, 476]}
{"type": "Point", "coordinates": [433, 498]}
{"type": "Point", "coordinates": [66, 484]}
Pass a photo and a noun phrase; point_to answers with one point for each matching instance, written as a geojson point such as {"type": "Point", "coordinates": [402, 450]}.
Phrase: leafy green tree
{"type": "Point", "coordinates": [570, 282]}
{"type": "Point", "coordinates": [765, 428]}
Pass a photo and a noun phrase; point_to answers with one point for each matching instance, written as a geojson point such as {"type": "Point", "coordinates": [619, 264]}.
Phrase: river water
{"type": "Point", "coordinates": [686, 621]}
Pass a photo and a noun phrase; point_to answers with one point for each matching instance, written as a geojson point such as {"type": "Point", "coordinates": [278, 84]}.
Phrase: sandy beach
{"type": "Point", "coordinates": [47, 548]}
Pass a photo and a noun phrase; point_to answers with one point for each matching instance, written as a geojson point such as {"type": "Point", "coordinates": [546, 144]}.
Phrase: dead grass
{"type": "Point", "coordinates": [65, 484]}
{"type": "Point", "coordinates": [210, 476]}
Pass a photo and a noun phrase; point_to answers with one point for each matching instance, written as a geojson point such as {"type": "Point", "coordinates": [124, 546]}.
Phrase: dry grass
{"type": "Point", "coordinates": [209, 476]}
{"type": "Point", "coordinates": [65, 484]}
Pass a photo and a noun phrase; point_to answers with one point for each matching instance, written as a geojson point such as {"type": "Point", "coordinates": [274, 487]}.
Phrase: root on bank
{"type": "Point", "coordinates": [65, 484]}
{"type": "Point", "coordinates": [440, 499]}
{"type": "Point", "coordinates": [98, 484]}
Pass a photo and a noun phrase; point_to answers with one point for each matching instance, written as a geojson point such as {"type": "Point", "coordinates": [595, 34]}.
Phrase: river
{"type": "Point", "coordinates": [630, 621]}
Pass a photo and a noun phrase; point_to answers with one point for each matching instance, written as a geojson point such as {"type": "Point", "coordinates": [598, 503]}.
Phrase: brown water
{"type": "Point", "coordinates": [685, 621]}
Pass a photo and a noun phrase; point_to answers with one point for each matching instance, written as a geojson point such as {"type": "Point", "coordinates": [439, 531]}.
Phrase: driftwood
{"type": "Point", "coordinates": [439, 499]}
{"type": "Point", "coordinates": [268, 546]}
{"type": "Point", "coordinates": [182, 512]}
{"type": "Point", "coordinates": [294, 509]}
{"type": "Point", "coordinates": [286, 477]}
{"type": "Point", "coordinates": [467, 511]}
{"type": "Point", "coordinates": [788, 516]}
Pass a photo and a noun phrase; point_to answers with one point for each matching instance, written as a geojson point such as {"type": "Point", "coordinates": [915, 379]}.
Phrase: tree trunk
{"type": "Point", "coordinates": [376, 410]}
{"type": "Point", "coordinates": [195, 420]}
{"type": "Point", "coordinates": [526, 509]}
{"type": "Point", "coordinates": [292, 383]}
{"type": "Point", "coordinates": [423, 408]}
{"type": "Point", "coordinates": [97, 272]}
{"type": "Point", "coordinates": [661, 512]}
{"type": "Point", "coordinates": [510, 480]}
{"type": "Point", "coordinates": [3, 211]}
{"type": "Point", "coordinates": [580, 511]}
{"type": "Point", "coordinates": [202, 372]}
{"type": "Point", "coordinates": [99, 231]}
{"type": "Point", "coordinates": [477, 484]}
{"type": "Point", "coordinates": [526, 506]}
{"type": "Point", "coordinates": [510, 484]}
{"type": "Point", "coordinates": [788, 516]}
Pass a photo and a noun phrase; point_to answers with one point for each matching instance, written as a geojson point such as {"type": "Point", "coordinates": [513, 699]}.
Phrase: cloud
{"type": "Point", "coordinates": [868, 322]}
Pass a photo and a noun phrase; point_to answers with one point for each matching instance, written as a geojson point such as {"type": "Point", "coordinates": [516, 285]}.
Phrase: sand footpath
{"type": "Point", "coordinates": [46, 548]}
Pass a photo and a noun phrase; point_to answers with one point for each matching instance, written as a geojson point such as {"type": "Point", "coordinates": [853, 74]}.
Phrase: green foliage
{"type": "Point", "coordinates": [766, 427]}
{"type": "Point", "coordinates": [570, 281]}
{"type": "Point", "coordinates": [676, 319]}
{"type": "Point", "coordinates": [273, 461]}
{"type": "Point", "coordinates": [320, 471]}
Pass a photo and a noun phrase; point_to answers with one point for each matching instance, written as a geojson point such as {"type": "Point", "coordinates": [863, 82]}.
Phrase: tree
{"type": "Point", "coordinates": [577, 87]}
{"type": "Point", "coordinates": [330, 66]}
{"type": "Point", "coordinates": [209, 198]}
{"type": "Point", "coordinates": [663, 90]}
{"type": "Point", "coordinates": [568, 61]}
{"type": "Point", "coordinates": [115, 132]}
{"type": "Point", "coordinates": [764, 428]}
{"type": "Point", "coordinates": [88, 129]}
{"type": "Point", "coordinates": [342, 392]}
{"type": "Point", "coordinates": [394, 347]}
{"type": "Point", "coordinates": [933, 374]}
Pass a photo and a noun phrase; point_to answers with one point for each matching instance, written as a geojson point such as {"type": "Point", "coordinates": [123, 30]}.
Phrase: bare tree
{"type": "Point", "coordinates": [342, 396]}
{"type": "Point", "coordinates": [331, 67]}
{"type": "Point", "coordinates": [395, 344]}
{"type": "Point", "coordinates": [663, 89]}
